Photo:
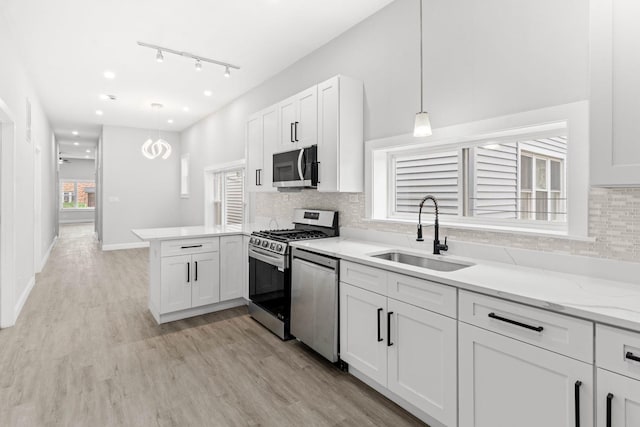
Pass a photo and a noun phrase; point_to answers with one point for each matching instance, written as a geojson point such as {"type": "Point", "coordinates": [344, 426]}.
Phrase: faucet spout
{"type": "Point", "coordinates": [437, 246]}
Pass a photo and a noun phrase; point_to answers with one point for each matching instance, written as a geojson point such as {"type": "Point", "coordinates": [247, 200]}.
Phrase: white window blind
{"type": "Point", "coordinates": [496, 181]}
{"type": "Point", "coordinates": [417, 176]}
{"type": "Point", "coordinates": [234, 197]}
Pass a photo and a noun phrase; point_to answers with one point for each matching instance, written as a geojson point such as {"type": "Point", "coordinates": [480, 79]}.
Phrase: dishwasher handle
{"type": "Point", "coordinates": [312, 257]}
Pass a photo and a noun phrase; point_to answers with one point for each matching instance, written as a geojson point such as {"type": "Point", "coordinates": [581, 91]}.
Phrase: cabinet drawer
{"type": "Point", "coordinates": [616, 350]}
{"type": "Point", "coordinates": [422, 293]}
{"type": "Point", "coordinates": [562, 334]}
{"type": "Point", "coordinates": [189, 246]}
{"type": "Point", "coordinates": [362, 276]}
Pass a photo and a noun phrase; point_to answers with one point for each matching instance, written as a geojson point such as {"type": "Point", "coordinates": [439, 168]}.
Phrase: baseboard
{"type": "Point", "coordinates": [23, 298]}
{"type": "Point", "coordinates": [120, 246]}
{"type": "Point", "coordinates": [45, 258]}
{"type": "Point", "coordinates": [76, 221]}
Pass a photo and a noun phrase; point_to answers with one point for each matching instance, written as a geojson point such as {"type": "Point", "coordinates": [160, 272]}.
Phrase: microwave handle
{"type": "Point", "coordinates": [300, 173]}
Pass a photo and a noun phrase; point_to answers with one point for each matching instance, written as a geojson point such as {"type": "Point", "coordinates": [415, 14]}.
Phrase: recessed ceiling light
{"type": "Point", "coordinates": [76, 143]}
{"type": "Point", "coordinates": [88, 151]}
{"type": "Point", "coordinates": [86, 157]}
{"type": "Point", "coordinates": [99, 112]}
{"type": "Point", "coordinates": [170, 121]}
{"type": "Point", "coordinates": [185, 108]}
{"type": "Point", "coordinates": [74, 132]}
{"type": "Point", "coordinates": [109, 75]}
{"type": "Point", "coordinates": [104, 97]}
{"type": "Point", "coordinates": [208, 93]}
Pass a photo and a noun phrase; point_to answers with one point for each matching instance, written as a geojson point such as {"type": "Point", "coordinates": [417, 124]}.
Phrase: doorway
{"type": "Point", "coordinates": [7, 206]}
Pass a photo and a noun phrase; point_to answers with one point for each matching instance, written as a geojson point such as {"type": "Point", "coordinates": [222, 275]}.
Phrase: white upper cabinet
{"type": "Point", "coordinates": [340, 135]}
{"type": "Point", "coordinates": [615, 93]}
{"type": "Point", "coordinates": [298, 120]}
{"type": "Point", "coordinates": [261, 139]}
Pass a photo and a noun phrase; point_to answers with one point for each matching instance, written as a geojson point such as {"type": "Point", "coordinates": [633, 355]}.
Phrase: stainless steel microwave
{"type": "Point", "coordinates": [296, 168]}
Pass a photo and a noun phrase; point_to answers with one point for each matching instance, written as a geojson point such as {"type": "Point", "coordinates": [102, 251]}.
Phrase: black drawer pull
{"type": "Point", "coordinates": [632, 356]}
{"type": "Point", "coordinates": [188, 272]}
{"type": "Point", "coordinates": [389, 343]}
{"type": "Point", "coordinates": [379, 337]}
{"type": "Point", "coordinates": [577, 398]}
{"type": "Point", "coordinates": [192, 246]}
{"type": "Point", "coordinates": [609, 399]}
{"type": "Point", "coordinates": [515, 322]}
{"type": "Point", "coordinates": [196, 278]}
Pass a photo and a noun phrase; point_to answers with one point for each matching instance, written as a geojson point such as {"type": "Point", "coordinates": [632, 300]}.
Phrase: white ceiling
{"type": "Point", "coordinates": [68, 44]}
{"type": "Point", "coordinates": [81, 149]}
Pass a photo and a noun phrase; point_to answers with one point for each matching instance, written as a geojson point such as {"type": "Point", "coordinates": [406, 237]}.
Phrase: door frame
{"type": "Point", "coordinates": [7, 216]}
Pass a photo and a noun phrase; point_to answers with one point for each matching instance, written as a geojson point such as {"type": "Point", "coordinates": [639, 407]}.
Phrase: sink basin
{"type": "Point", "coordinates": [420, 261]}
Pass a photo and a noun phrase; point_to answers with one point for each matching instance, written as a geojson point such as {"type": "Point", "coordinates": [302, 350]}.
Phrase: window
{"type": "Point", "coordinates": [511, 173]}
{"type": "Point", "coordinates": [77, 194]}
{"type": "Point", "coordinates": [224, 194]}
{"type": "Point", "coordinates": [184, 175]}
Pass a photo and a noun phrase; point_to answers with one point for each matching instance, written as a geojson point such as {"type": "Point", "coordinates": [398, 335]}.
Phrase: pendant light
{"type": "Point", "coordinates": [159, 148]}
{"type": "Point", "coordinates": [422, 125]}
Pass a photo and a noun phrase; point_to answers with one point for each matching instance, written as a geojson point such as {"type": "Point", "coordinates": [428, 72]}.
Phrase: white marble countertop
{"type": "Point", "coordinates": [605, 301]}
{"type": "Point", "coordinates": [173, 233]}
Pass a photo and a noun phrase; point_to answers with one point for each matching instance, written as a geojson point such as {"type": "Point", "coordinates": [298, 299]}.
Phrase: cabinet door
{"type": "Point", "coordinates": [255, 154]}
{"type": "Point", "coordinates": [231, 267]}
{"type": "Point", "coordinates": [305, 131]}
{"type": "Point", "coordinates": [245, 267]}
{"type": "Point", "coordinates": [362, 315]}
{"type": "Point", "coordinates": [175, 283]}
{"type": "Point", "coordinates": [505, 383]}
{"type": "Point", "coordinates": [615, 93]}
{"type": "Point", "coordinates": [624, 400]}
{"type": "Point", "coordinates": [328, 134]}
{"type": "Point", "coordinates": [422, 360]}
{"type": "Point", "coordinates": [288, 115]}
{"type": "Point", "coordinates": [205, 279]}
{"type": "Point", "coordinates": [269, 146]}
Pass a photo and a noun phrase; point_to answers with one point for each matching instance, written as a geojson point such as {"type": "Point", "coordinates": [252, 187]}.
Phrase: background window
{"type": "Point", "coordinates": [228, 197]}
{"type": "Point", "coordinates": [184, 175]}
{"type": "Point", "coordinates": [76, 194]}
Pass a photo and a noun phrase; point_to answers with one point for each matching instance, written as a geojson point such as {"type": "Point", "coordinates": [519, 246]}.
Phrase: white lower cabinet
{"type": "Point", "coordinates": [422, 360]}
{"type": "Point", "coordinates": [406, 349]}
{"type": "Point", "coordinates": [618, 400]}
{"type": "Point", "coordinates": [232, 263]}
{"type": "Point", "coordinates": [205, 279]}
{"type": "Point", "coordinates": [363, 328]}
{"type": "Point", "coordinates": [189, 281]}
{"type": "Point", "coordinates": [504, 382]}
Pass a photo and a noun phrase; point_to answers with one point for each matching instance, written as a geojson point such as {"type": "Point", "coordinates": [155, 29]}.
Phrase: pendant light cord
{"type": "Point", "coordinates": [421, 71]}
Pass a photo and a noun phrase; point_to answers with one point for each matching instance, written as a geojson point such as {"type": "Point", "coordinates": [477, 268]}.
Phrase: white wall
{"type": "Point", "coordinates": [27, 254]}
{"type": "Point", "coordinates": [78, 169]}
{"type": "Point", "coordinates": [137, 192]}
{"type": "Point", "coordinates": [482, 59]}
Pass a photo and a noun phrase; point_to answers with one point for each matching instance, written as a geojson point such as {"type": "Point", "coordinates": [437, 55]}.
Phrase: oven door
{"type": "Point", "coordinates": [295, 168]}
{"type": "Point", "coordinates": [270, 282]}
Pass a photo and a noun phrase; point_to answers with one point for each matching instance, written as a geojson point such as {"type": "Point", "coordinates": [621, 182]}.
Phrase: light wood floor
{"type": "Point", "coordinates": [86, 352]}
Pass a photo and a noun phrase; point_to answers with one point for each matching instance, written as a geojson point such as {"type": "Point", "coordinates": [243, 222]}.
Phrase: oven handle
{"type": "Point", "coordinates": [300, 155]}
{"type": "Point", "coordinates": [277, 260]}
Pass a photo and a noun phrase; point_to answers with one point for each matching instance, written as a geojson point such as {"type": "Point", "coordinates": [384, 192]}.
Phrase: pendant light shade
{"type": "Point", "coordinates": [422, 125]}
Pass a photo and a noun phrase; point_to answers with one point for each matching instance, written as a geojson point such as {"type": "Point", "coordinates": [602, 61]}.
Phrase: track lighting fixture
{"type": "Point", "coordinates": [199, 59]}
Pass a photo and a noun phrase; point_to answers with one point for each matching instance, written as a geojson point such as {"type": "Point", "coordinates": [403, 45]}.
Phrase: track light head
{"type": "Point", "coordinates": [159, 56]}
{"type": "Point", "coordinates": [198, 65]}
{"type": "Point", "coordinates": [227, 72]}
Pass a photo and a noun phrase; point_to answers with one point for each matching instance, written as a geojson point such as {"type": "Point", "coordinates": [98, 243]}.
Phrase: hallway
{"type": "Point", "coordinates": [86, 352]}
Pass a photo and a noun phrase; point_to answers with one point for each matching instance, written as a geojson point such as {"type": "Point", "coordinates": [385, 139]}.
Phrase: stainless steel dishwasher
{"type": "Point", "coordinates": [314, 301]}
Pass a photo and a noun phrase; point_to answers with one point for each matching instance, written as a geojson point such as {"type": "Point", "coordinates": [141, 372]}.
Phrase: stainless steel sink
{"type": "Point", "coordinates": [421, 261]}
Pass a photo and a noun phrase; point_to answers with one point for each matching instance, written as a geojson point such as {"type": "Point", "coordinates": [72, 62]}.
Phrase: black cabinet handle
{"type": "Point", "coordinates": [576, 391]}
{"type": "Point", "coordinates": [196, 275]}
{"type": "Point", "coordinates": [291, 133]}
{"type": "Point", "coordinates": [259, 176]}
{"type": "Point", "coordinates": [295, 131]}
{"type": "Point", "coordinates": [632, 356]}
{"type": "Point", "coordinates": [188, 272]}
{"type": "Point", "coordinates": [190, 246]}
{"type": "Point", "coordinates": [609, 399]}
{"type": "Point", "coordinates": [389, 343]}
{"type": "Point", "coordinates": [514, 322]}
{"type": "Point", "coordinates": [379, 337]}
{"type": "Point", "coordinates": [257, 179]}
{"type": "Point", "coordinates": [317, 172]}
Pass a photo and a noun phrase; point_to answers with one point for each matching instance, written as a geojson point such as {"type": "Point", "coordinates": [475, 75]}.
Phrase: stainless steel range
{"type": "Point", "coordinates": [270, 266]}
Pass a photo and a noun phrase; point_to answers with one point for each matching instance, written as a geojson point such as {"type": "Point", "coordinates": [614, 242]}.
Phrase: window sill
{"type": "Point", "coordinates": [77, 209]}
{"type": "Point", "coordinates": [523, 231]}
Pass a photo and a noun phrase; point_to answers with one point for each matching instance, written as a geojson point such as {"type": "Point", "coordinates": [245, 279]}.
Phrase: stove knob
{"type": "Point", "coordinates": [251, 240]}
{"type": "Point", "coordinates": [265, 244]}
{"type": "Point", "coordinates": [257, 241]}
{"type": "Point", "coordinates": [273, 246]}
{"type": "Point", "coordinates": [279, 248]}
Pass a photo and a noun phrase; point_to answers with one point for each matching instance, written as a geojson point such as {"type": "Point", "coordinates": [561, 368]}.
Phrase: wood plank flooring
{"type": "Point", "coordinates": [86, 352]}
